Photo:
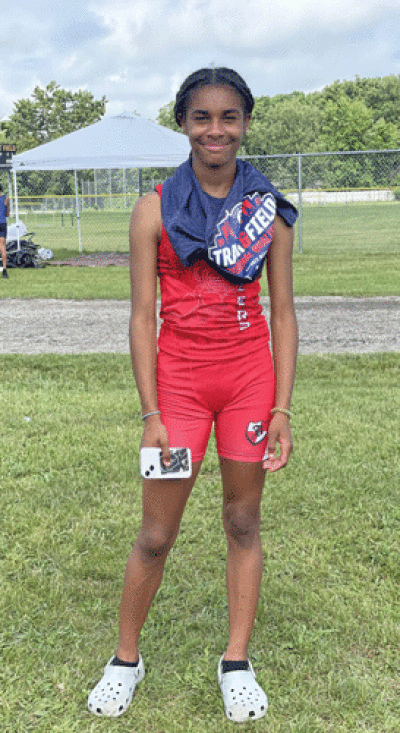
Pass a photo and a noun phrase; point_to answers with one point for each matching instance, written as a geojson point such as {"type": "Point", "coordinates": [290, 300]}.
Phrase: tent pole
{"type": "Point", "coordinates": [77, 211]}
{"type": "Point", "coordinates": [10, 190]}
{"type": "Point", "coordinates": [16, 207]}
{"type": "Point", "coordinates": [140, 183]}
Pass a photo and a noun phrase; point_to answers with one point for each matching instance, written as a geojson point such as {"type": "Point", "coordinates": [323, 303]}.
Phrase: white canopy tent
{"type": "Point", "coordinates": [120, 141]}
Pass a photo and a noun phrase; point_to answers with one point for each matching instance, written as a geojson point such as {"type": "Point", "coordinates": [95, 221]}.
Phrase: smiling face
{"type": "Point", "coordinates": [215, 123]}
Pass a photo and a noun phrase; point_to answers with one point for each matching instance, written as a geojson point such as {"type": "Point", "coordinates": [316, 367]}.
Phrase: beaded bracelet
{"type": "Point", "coordinates": [288, 413]}
{"type": "Point", "coordinates": [148, 414]}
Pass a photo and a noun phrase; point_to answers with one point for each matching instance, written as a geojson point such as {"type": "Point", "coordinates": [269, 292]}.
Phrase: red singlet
{"type": "Point", "coordinates": [214, 362]}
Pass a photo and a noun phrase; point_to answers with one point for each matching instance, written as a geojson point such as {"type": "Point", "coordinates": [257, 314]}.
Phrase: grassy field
{"type": "Point", "coordinates": [326, 640]}
{"type": "Point", "coordinates": [348, 249]}
{"type": "Point", "coordinates": [101, 231]}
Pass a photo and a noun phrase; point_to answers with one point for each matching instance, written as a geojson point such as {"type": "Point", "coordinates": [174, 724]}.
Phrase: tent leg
{"type": "Point", "coordinates": [140, 183]}
{"type": "Point", "coordinates": [16, 207]}
{"type": "Point", "coordinates": [10, 191]}
{"type": "Point", "coordinates": [77, 211]}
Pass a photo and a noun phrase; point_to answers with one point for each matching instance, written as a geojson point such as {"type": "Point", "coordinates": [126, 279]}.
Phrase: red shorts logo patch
{"type": "Point", "coordinates": [256, 432]}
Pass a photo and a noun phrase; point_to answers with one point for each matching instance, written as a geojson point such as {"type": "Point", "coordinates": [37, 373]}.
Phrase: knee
{"type": "Point", "coordinates": [242, 523]}
{"type": "Point", "coordinates": [155, 542]}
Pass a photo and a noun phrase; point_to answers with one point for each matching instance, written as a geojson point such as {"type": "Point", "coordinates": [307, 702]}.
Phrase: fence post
{"type": "Point", "coordinates": [77, 210]}
{"type": "Point", "coordinates": [95, 187]}
{"type": "Point", "coordinates": [300, 187]}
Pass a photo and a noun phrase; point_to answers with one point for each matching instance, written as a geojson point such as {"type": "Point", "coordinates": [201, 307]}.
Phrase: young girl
{"type": "Point", "coordinates": [207, 233]}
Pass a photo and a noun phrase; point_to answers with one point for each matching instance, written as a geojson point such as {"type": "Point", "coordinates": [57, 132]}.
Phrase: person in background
{"type": "Point", "coordinates": [4, 212]}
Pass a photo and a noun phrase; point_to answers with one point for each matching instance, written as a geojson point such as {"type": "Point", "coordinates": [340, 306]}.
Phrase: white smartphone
{"type": "Point", "coordinates": [151, 465]}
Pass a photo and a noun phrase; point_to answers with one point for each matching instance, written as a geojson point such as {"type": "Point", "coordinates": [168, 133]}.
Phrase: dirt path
{"type": "Point", "coordinates": [326, 325]}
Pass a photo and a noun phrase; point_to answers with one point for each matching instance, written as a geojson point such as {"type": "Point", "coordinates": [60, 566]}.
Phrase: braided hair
{"type": "Point", "coordinates": [211, 77]}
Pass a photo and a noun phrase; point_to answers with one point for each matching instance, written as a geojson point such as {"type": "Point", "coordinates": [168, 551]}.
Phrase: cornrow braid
{"type": "Point", "coordinates": [210, 77]}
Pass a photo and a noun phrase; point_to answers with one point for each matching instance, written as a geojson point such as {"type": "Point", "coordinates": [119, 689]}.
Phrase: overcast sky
{"type": "Point", "coordinates": [137, 53]}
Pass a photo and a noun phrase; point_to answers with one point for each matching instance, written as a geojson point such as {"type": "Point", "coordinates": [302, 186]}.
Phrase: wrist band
{"type": "Point", "coordinates": [156, 412]}
{"type": "Point", "coordinates": [288, 413]}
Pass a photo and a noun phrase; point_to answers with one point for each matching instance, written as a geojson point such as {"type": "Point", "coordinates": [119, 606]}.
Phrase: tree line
{"type": "Point", "coordinates": [358, 115]}
{"type": "Point", "coordinates": [363, 114]}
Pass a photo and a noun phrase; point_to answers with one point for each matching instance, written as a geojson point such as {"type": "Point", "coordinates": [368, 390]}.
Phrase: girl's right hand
{"type": "Point", "coordinates": [155, 435]}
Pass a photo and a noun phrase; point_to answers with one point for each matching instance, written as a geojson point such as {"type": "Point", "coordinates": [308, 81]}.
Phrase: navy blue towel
{"type": "Point", "coordinates": [237, 244]}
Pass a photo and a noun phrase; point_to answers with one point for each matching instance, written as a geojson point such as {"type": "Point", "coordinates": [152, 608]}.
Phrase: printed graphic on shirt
{"type": "Point", "coordinates": [203, 281]}
{"type": "Point", "coordinates": [244, 235]}
{"type": "Point", "coordinates": [256, 432]}
{"type": "Point", "coordinates": [242, 314]}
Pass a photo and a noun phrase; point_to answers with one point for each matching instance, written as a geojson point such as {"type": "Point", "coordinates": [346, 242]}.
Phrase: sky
{"type": "Point", "coordinates": [138, 53]}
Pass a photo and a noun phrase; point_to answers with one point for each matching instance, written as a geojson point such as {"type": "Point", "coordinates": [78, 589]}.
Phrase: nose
{"type": "Point", "coordinates": [215, 127]}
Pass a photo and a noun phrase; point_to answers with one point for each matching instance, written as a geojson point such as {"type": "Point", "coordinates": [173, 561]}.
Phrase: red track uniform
{"type": "Point", "coordinates": [214, 361]}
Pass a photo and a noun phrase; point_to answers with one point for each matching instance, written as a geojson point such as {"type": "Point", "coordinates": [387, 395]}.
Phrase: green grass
{"type": "Point", "coordinates": [75, 283]}
{"type": "Point", "coordinates": [352, 229]}
{"type": "Point", "coordinates": [348, 249]}
{"type": "Point", "coordinates": [326, 638]}
{"type": "Point", "coordinates": [101, 231]}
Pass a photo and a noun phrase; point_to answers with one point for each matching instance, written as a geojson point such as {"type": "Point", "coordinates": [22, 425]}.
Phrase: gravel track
{"type": "Point", "coordinates": [326, 325]}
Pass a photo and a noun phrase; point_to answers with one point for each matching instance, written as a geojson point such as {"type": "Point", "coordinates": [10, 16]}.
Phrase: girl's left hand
{"type": "Point", "coordinates": [278, 434]}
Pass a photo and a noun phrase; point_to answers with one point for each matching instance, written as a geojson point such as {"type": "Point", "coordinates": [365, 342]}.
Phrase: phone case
{"type": "Point", "coordinates": [151, 465]}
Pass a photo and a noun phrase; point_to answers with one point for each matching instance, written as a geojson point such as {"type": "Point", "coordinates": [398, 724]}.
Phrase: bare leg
{"type": "Point", "coordinates": [242, 485]}
{"type": "Point", "coordinates": [3, 252]}
{"type": "Point", "coordinates": [163, 505]}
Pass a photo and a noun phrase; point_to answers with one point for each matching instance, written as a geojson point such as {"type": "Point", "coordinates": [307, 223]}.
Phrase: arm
{"type": "Point", "coordinates": [144, 234]}
{"type": "Point", "coordinates": [284, 340]}
{"type": "Point", "coordinates": [7, 204]}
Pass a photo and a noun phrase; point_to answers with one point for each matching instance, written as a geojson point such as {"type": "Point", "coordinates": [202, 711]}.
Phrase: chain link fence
{"type": "Point", "coordinates": [335, 180]}
{"type": "Point", "coordinates": [348, 199]}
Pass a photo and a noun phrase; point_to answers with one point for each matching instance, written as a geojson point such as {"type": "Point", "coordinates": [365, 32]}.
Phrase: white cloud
{"type": "Point", "coordinates": [148, 30]}
{"type": "Point", "coordinates": [157, 26]}
{"type": "Point", "coordinates": [138, 53]}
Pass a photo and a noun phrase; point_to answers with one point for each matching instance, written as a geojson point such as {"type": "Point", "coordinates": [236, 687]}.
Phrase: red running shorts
{"type": "Point", "coordinates": [237, 395]}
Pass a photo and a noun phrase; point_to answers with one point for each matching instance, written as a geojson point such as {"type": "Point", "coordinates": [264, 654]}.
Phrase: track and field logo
{"type": "Point", "coordinates": [256, 432]}
{"type": "Point", "coordinates": [243, 236]}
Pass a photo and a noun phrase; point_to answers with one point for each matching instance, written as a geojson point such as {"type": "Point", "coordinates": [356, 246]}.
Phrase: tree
{"type": "Point", "coordinates": [286, 124]}
{"type": "Point", "coordinates": [347, 115]}
{"type": "Point", "coordinates": [166, 117]}
{"type": "Point", "coordinates": [380, 94]}
{"type": "Point", "coordinates": [50, 113]}
{"type": "Point", "coordinates": [349, 125]}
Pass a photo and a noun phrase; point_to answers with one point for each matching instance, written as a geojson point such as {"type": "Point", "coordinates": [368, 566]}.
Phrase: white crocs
{"type": "Point", "coordinates": [242, 695]}
{"type": "Point", "coordinates": [113, 694]}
